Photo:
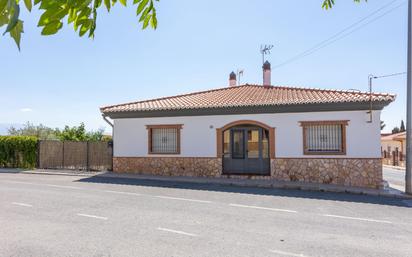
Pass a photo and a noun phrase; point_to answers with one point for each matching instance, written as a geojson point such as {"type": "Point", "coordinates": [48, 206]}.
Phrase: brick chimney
{"type": "Point", "coordinates": [266, 74]}
{"type": "Point", "coordinates": [232, 79]}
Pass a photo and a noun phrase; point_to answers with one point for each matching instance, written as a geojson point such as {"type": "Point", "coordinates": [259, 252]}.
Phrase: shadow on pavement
{"type": "Point", "coordinates": [214, 187]}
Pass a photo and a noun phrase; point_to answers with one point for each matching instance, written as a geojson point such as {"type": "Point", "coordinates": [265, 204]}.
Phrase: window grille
{"type": "Point", "coordinates": [164, 140]}
{"type": "Point", "coordinates": [324, 138]}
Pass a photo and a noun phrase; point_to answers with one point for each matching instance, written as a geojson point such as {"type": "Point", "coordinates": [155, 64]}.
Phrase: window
{"type": "Point", "coordinates": [164, 139]}
{"type": "Point", "coordinates": [324, 137]}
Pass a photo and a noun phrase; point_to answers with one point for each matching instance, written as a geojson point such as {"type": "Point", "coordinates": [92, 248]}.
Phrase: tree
{"type": "Point", "coordinates": [402, 128]}
{"type": "Point", "coordinates": [79, 133]}
{"type": "Point", "coordinates": [383, 125]}
{"type": "Point", "coordinates": [81, 13]}
{"type": "Point", "coordinates": [327, 4]}
{"type": "Point", "coordinates": [75, 133]}
{"type": "Point", "coordinates": [395, 130]}
{"type": "Point", "coordinates": [41, 132]}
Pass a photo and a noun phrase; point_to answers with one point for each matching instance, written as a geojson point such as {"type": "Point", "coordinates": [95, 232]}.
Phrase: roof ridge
{"type": "Point", "coordinates": [355, 91]}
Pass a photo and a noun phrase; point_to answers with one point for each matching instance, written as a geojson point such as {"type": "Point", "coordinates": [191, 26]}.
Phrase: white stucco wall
{"type": "Point", "coordinates": [198, 135]}
{"type": "Point", "coordinates": [393, 145]}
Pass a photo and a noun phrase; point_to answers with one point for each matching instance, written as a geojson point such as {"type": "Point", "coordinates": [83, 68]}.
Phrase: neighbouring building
{"type": "Point", "coordinates": [254, 132]}
{"type": "Point", "coordinates": [393, 149]}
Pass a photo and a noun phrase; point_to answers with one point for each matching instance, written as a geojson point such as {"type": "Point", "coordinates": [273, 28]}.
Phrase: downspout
{"type": "Point", "coordinates": [111, 125]}
{"type": "Point", "coordinates": [108, 122]}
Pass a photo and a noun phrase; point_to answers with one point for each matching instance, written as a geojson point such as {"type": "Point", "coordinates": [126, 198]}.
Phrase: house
{"type": "Point", "coordinates": [393, 149]}
{"type": "Point", "coordinates": [393, 142]}
{"type": "Point", "coordinates": [254, 131]}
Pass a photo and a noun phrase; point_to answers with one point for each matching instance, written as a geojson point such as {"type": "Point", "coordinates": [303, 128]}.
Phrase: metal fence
{"type": "Point", "coordinates": [394, 158]}
{"type": "Point", "coordinates": [94, 156]}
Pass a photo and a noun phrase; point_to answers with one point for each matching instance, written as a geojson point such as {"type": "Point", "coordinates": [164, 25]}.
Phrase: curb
{"type": "Point", "coordinates": [269, 185]}
{"type": "Point", "coordinates": [80, 174]}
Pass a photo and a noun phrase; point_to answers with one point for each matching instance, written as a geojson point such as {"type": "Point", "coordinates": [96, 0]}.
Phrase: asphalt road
{"type": "Point", "coordinates": [395, 178]}
{"type": "Point", "coordinates": [50, 215]}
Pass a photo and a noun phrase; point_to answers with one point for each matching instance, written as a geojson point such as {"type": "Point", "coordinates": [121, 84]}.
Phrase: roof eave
{"type": "Point", "coordinates": [316, 107]}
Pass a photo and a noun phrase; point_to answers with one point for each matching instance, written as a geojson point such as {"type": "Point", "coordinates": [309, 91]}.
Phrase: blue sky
{"type": "Point", "coordinates": [64, 79]}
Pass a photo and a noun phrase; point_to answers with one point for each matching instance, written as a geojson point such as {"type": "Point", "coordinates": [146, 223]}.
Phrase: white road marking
{"type": "Point", "coordinates": [354, 218]}
{"type": "Point", "coordinates": [261, 208]}
{"type": "Point", "coordinates": [287, 253]}
{"type": "Point", "coordinates": [121, 192]}
{"type": "Point", "coordinates": [177, 232]}
{"type": "Point", "coordinates": [41, 184]}
{"type": "Point", "coordinates": [92, 216]}
{"type": "Point", "coordinates": [59, 186]}
{"type": "Point", "coordinates": [182, 199]}
{"type": "Point", "coordinates": [22, 204]}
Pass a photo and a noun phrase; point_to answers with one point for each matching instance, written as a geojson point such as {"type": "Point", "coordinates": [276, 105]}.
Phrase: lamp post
{"type": "Point", "coordinates": [408, 170]}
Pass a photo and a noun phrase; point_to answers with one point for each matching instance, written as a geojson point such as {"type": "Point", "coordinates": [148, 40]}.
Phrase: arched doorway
{"type": "Point", "coordinates": [246, 148]}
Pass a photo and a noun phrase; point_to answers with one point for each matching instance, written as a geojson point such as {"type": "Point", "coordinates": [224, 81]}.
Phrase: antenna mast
{"type": "Point", "coordinates": [265, 50]}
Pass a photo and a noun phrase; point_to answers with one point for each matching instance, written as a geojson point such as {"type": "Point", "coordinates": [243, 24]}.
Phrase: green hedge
{"type": "Point", "coordinates": [18, 151]}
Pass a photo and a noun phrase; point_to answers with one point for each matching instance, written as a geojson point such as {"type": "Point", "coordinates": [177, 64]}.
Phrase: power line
{"type": "Point", "coordinates": [389, 75]}
{"type": "Point", "coordinates": [336, 37]}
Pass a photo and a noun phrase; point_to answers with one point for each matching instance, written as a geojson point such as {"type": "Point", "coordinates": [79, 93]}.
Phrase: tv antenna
{"type": "Point", "coordinates": [239, 74]}
{"type": "Point", "coordinates": [265, 50]}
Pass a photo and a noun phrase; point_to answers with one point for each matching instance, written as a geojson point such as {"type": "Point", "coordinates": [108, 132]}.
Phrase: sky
{"type": "Point", "coordinates": [63, 79]}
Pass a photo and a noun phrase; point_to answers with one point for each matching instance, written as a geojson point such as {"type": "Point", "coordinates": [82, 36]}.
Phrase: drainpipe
{"type": "Point", "coordinates": [108, 121]}
{"type": "Point", "coordinates": [111, 125]}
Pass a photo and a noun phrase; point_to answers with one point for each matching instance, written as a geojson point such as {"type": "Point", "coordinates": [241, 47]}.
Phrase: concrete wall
{"type": "Point", "coordinates": [198, 135]}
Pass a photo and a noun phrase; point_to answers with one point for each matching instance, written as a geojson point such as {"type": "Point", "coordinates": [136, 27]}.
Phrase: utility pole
{"type": "Point", "coordinates": [408, 170]}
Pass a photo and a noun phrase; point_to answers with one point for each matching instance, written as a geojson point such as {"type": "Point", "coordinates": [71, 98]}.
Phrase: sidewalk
{"type": "Point", "coordinates": [264, 183]}
{"type": "Point", "coordinates": [394, 167]}
{"type": "Point", "coordinates": [52, 172]}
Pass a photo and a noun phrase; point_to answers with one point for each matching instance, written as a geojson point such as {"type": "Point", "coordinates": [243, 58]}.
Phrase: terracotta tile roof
{"type": "Point", "coordinates": [248, 95]}
{"type": "Point", "coordinates": [397, 136]}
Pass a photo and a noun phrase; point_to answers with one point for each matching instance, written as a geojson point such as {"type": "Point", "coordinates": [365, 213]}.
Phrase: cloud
{"type": "Point", "coordinates": [26, 110]}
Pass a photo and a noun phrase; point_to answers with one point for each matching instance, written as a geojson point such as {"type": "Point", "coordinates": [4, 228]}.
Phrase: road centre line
{"type": "Point", "coordinates": [287, 253]}
{"type": "Point", "coordinates": [41, 184]}
{"type": "Point", "coordinates": [182, 199]}
{"type": "Point", "coordinates": [261, 208]}
{"type": "Point", "coordinates": [177, 232]}
{"type": "Point", "coordinates": [122, 193]}
{"type": "Point", "coordinates": [355, 218]}
{"type": "Point", "coordinates": [22, 204]}
{"type": "Point", "coordinates": [92, 216]}
{"type": "Point", "coordinates": [59, 186]}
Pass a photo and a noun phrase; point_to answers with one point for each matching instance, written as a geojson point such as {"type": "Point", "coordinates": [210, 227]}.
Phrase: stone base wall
{"type": "Point", "coordinates": [169, 166]}
{"type": "Point", "coordinates": [339, 171]}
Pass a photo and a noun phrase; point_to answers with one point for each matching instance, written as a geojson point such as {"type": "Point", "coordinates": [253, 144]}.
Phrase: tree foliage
{"type": "Point", "coordinates": [395, 130]}
{"type": "Point", "coordinates": [79, 133]}
{"type": "Point", "coordinates": [383, 125]}
{"type": "Point", "coordinates": [402, 127]}
{"type": "Point", "coordinates": [81, 13]}
{"type": "Point", "coordinates": [29, 129]}
{"type": "Point", "coordinates": [75, 133]}
{"type": "Point", "coordinates": [327, 4]}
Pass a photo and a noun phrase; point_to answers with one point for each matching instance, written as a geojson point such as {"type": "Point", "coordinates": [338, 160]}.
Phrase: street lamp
{"type": "Point", "coordinates": [408, 170]}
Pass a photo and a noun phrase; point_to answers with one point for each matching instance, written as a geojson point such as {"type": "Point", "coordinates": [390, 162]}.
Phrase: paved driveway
{"type": "Point", "coordinates": [54, 215]}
